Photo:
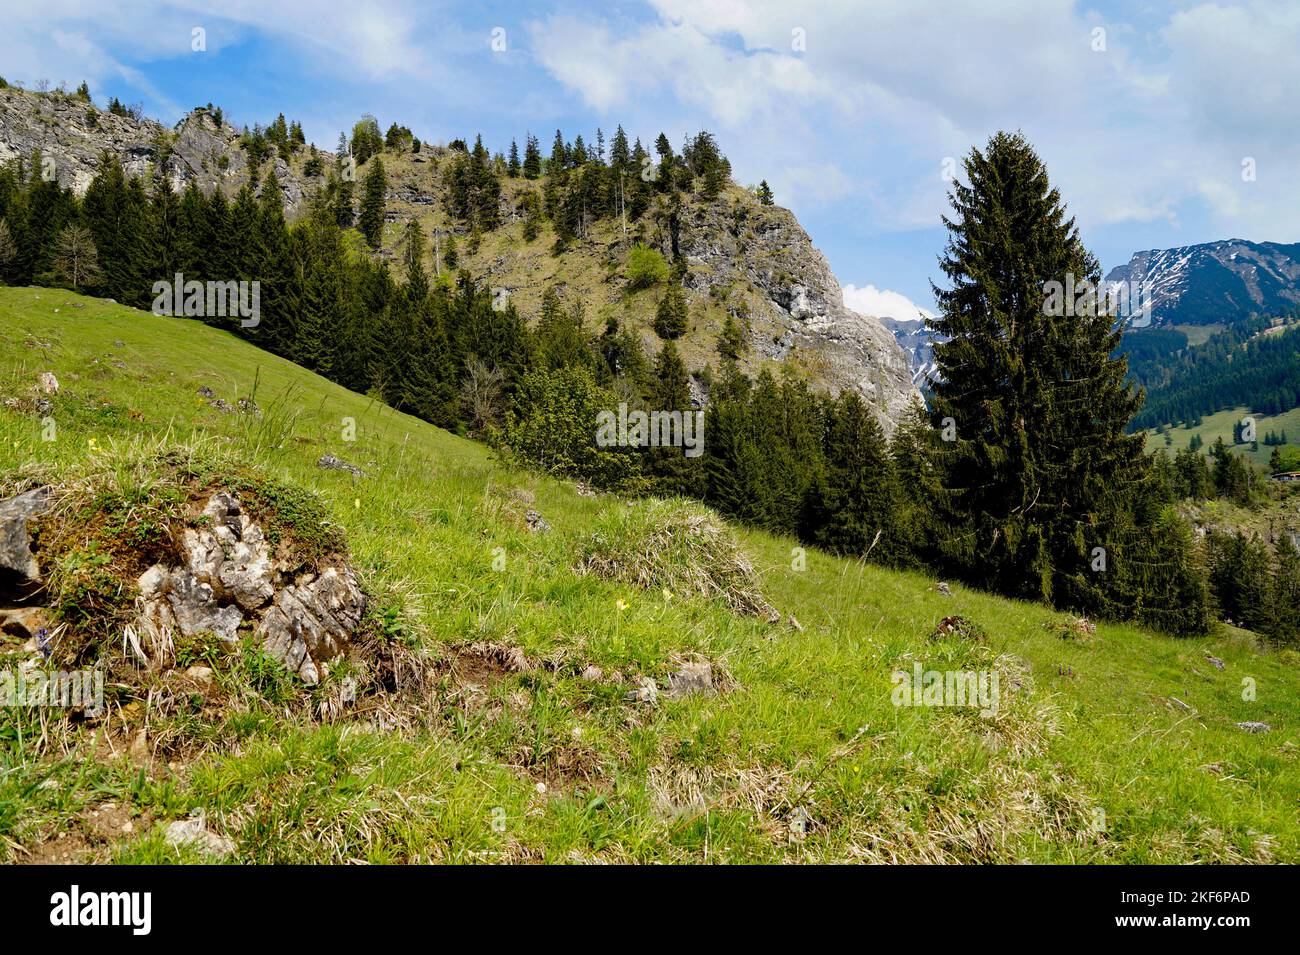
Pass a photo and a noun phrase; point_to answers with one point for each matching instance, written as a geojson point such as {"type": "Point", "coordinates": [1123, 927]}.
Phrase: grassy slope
{"type": "Point", "coordinates": [1219, 425]}
{"type": "Point", "coordinates": [1091, 742]}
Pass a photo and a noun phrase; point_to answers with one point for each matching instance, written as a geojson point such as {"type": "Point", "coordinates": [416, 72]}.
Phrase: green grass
{"type": "Point", "coordinates": [1198, 334]}
{"type": "Point", "coordinates": [1220, 425]}
{"type": "Point", "coordinates": [1087, 761]}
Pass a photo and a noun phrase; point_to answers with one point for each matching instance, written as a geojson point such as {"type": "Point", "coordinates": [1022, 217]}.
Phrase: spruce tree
{"type": "Point", "coordinates": [532, 157]}
{"type": "Point", "coordinates": [374, 188]}
{"type": "Point", "coordinates": [1040, 465]}
{"type": "Point", "coordinates": [852, 503]}
{"type": "Point", "coordinates": [1284, 602]}
{"type": "Point", "coordinates": [559, 155]}
{"type": "Point", "coordinates": [8, 251]}
{"type": "Point", "coordinates": [281, 283]}
{"type": "Point", "coordinates": [670, 316]}
{"type": "Point", "coordinates": [619, 156]}
{"type": "Point", "coordinates": [672, 472]}
{"type": "Point", "coordinates": [731, 342]}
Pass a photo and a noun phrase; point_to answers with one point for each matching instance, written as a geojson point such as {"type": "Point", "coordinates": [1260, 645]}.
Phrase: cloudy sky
{"type": "Point", "coordinates": [1163, 123]}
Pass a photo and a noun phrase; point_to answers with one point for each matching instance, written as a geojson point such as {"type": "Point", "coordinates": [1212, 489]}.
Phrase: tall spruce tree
{"type": "Point", "coordinates": [374, 189]}
{"type": "Point", "coordinates": [532, 157]}
{"type": "Point", "coordinates": [1040, 464]}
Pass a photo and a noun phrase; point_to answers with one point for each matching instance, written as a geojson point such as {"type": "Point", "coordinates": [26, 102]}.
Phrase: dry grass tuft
{"type": "Point", "coordinates": [678, 546]}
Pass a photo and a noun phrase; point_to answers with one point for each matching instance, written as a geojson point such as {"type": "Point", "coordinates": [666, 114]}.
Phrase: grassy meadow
{"type": "Point", "coordinates": [1119, 746]}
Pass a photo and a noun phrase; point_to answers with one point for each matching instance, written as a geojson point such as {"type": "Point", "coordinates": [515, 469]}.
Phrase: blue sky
{"type": "Point", "coordinates": [1162, 124]}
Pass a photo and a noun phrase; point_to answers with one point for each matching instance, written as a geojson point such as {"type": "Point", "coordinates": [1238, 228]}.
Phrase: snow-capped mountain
{"type": "Point", "coordinates": [1215, 283]}
{"type": "Point", "coordinates": [917, 342]}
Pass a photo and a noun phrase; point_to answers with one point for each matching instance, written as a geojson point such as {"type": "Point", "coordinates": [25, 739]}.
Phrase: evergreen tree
{"type": "Point", "coordinates": [764, 193]}
{"type": "Point", "coordinates": [374, 189]}
{"type": "Point", "coordinates": [318, 247]}
{"type": "Point", "coordinates": [8, 251]}
{"type": "Point", "coordinates": [1040, 465]}
{"type": "Point", "coordinates": [560, 339]}
{"type": "Point", "coordinates": [852, 503]}
{"type": "Point", "coordinates": [731, 342]}
{"type": "Point", "coordinates": [671, 471]}
{"type": "Point", "coordinates": [281, 285]}
{"type": "Point", "coordinates": [670, 316]}
{"type": "Point", "coordinates": [532, 158]}
{"type": "Point", "coordinates": [1284, 609]}
{"type": "Point", "coordinates": [513, 165]}
{"type": "Point", "coordinates": [559, 155]}
{"type": "Point", "coordinates": [619, 156]}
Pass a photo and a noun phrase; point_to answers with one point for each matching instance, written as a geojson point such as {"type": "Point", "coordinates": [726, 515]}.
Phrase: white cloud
{"type": "Point", "coordinates": [882, 92]}
{"type": "Point", "coordinates": [608, 71]}
{"type": "Point", "coordinates": [883, 303]}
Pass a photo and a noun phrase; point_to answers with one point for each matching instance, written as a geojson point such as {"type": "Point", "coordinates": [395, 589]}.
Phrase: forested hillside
{"type": "Point", "coordinates": [1254, 363]}
{"type": "Point", "coordinates": [522, 221]}
{"type": "Point", "coordinates": [1001, 482]}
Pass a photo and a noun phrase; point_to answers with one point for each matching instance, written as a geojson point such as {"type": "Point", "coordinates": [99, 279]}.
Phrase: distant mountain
{"type": "Point", "coordinates": [1216, 283]}
{"type": "Point", "coordinates": [917, 343]}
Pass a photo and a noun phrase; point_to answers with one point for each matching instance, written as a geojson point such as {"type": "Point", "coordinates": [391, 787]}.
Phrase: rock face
{"type": "Point", "coordinates": [71, 135]}
{"type": "Point", "coordinates": [302, 618]}
{"type": "Point", "coordinates": [800, 305]}
{"type": "Point", "coordinates": [19, 570]}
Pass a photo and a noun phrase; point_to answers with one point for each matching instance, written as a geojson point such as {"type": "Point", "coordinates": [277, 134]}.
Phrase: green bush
{"type": "Point", "coordinates": [645, 267]}
{"type": "Point", "coordinates": [553, 427]}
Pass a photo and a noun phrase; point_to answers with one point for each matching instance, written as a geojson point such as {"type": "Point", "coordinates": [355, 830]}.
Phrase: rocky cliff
{"type": "Point", "coordinates": [70, 135]}
{"type": "Point", "coordinates": [748, 260]}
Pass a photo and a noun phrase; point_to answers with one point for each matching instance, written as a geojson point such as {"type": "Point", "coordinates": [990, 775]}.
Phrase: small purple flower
{"type": "Point", "coordinates": [43, 642]}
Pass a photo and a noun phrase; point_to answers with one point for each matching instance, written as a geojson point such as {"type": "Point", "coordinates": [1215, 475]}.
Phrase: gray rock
{"type": "Point", "coordinates": [690, 679]}
{"type": "Point", "coordinates": [646, 692]}
{"type": "Point", "coordinates": [200, 674]}
{"type": "Point", "coordinates": [194, 832]}
{"type": "Point", "coordinates": [1252, 726]}
{"type": "Point", "coordinates": [17, 562]}
{"type": "Point", "coordinates": [195, 609]}
{"type": "Point", "coordinates": [47, 383]}
{"type": "Point", "coordinates": [310, 622]}
{"type": "Point", "coordinates": [536, 523]}
{"type": "Point", "coordinates": [330, 463]}
{"type": "Point", "coordinates": [1214, 662]}
{"type": "Point", "coordinates": [195, 150]}
{"type": "Point", "coordinates": [230, 571]}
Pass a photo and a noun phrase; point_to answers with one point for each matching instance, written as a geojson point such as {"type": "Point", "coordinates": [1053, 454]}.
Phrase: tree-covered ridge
{"type": "Point", "coordinates": [1255, 363]}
